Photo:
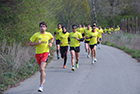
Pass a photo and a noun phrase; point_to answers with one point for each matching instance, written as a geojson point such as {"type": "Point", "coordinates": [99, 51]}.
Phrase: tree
{"type": "Point", "coordinates": [74, 12]}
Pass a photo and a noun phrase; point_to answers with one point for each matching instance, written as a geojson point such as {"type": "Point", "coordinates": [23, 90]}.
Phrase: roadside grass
{"type": "Point", "coordinates": [130, 43]}
{"type": "Point", "coordinates": [17, 63]}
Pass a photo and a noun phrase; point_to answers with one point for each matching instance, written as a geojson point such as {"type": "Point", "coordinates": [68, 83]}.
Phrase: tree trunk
{"type": "Point", "coordinates": [94, 11]}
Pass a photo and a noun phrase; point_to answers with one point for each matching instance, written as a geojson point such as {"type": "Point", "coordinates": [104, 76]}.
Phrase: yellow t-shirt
{"type": "Point", "coordinates": [112, 29]}
{"type": "Point", "coordinates": [118, 28]}
{"type": "Point", "coordinates": [86, 32]}
{"type": "Point", "coordinates": [93, 40]}
{"type": "Point", "coordinates": [80, 30]}
{"type": "Point", "coordinates": [57, 31]}
{"type": "Point", "coordinates": [64, 38]}
{"type": "Point", "coordinates": [109, 31]}
{"type": "Point", "coordinates": [96, 29]}
{"type": "Point", "coordinates": [83, 29]}
{"type": "Point", "coordinates": [43, 47]}
{"type": "Point", "coordinates": [73, 41]}
{"type": "Point", "coordinates": [100, 31]}
{"type": "Point", "coordinates": [105, 30]}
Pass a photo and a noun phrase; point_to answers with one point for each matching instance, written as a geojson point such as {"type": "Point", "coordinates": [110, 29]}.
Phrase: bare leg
{"type": "Point", "coordinates": [72, 57]}
{"type": "Point", "coordinates": [42, 71]}
{"type": "Point", "coordinates": [77, 57]}
{"type": "Point", "coordinates": [92, 53]}
{"type": "Point", "coordinates": [94, 49]}
{"type": "Point", "coordinates": [88, 49]}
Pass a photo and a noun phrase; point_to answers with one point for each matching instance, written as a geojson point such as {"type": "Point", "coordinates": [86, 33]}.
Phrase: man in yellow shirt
{"type": "Point", "coordinates": [93, 43]}
{"type": "Point", "coordinates": [80, 29]}
{"type": "Point", "coordinates": [83, 29]}
{"type": "Point", "coordinates": [86, 32]}
{"type": "Point", "coordinates": [64, 38]}
{"type": "Point", "coordinates": [57, 31]}
{"type": "Point", "coordinates": [112, 30]}
{"type": "Point", "coordinates": [118, 28]}
{"type": "Point", "coordinates": [100, 32]}
{"type": "Point", "coordinates": [75, 38]}
{"type": "Point", "coordinates": [41, 41]}
{"type": "Point", "coordinates": [109, 30]}
{"type": "Point", "coordinates": [105, 30]}
{"type": "Point", "coordinates": [96, 28]}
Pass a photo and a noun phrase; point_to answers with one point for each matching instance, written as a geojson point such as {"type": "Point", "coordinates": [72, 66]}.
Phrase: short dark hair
{"type": "Point", "coordinates": [63, 27]}
{"type": "Point", "coordinates": [74, 26]}
{"type": "Point", "coordinates": [43, 23]}
{"type": "Point", "coordinates": [59, 24]}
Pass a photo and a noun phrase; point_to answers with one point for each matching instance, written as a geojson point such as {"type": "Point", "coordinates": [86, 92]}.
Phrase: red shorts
{"type": "Point", "coordinates": [41, 57]}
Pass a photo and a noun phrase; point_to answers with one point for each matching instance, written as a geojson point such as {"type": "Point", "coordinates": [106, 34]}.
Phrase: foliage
{"type": "Point", "coordinates": [17, 63]}
{"type": "Point", "coordinates": [74, 12]}
{"type": "Point", "coordinates": [124, 41]}
{"type": "Point", "coordinates": [21, 19]}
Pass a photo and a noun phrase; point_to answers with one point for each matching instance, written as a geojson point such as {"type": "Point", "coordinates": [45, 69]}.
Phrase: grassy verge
{"type": "Point", "coordinates": [130, 43]}
{"type": "Point", "coordinates": [16, 64]}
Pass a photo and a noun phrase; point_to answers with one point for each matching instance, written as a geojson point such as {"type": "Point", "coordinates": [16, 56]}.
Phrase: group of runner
{"type": "Point", "coordinates": [90, 35]}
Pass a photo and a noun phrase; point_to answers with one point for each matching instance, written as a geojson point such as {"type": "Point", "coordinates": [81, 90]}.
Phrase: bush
{"type": "Point", "coordinates": [124, 41]}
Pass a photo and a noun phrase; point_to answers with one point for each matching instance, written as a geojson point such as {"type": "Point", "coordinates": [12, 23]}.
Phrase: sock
{"type": "Point", "coordinates": [57, 52]}
{"type": "Point", "coordinates": [65, 59]}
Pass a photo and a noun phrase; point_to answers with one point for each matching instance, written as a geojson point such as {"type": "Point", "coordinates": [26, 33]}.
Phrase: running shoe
{"type": "Point", "coordinates": [92, 62]}
{"type": "Point", "coordinates": [40, 89]}
{"type": "Point", "coordinates": [95, 60]}
{"type": "Point", "coordinates": [73, 69]}
{"type": "Point", "coordinates": [57, 56]}
{"type": "Point", "coordinates": [88, 56]}
{"type": "Point", "coordinates": [64, 66]}
{"type": "Point", "coordinates": [77, 65]}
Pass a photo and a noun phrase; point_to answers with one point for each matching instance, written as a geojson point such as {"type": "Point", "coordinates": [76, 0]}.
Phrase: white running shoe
{"type": "Point", "coordinates": [95, 60]}
{"type": "Point", "coordinates": [88, 56]}
{"type": "Point", "coordinates": [92, 61]}
{"type": "Point", "coordinates": [40, 89]}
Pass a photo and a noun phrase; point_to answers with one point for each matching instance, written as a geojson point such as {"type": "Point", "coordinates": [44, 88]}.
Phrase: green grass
{"type": "Point", "coordinates": [17, 63]}
{"type": "Point", "coordinates": [124, 41]}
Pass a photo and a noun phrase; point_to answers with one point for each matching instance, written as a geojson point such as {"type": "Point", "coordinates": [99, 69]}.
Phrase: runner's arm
{"type": "Point", "coordinates": [34, 44]}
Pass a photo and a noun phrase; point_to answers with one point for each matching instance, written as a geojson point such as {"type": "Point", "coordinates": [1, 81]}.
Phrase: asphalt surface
{"type": "Point", "coordinates": [115, 72]}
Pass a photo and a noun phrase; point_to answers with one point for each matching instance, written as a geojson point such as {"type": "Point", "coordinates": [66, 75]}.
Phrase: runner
{"type": "Point", "coordinates": [41, 41]}
{"type": "Point", "coordinates": [86, 32]}
{"type": "Point", "coordinates": [63, 37]}
{"type": "Point", "coordinates": [96, 28]}
{"type": "Point", "coordinates": [83, 29]}
{"type": "Point", "coordinates": [57, 31]}
{"type": "Point", "coordinates": [79, 29]}
{"type": "Point", "coordinates": [93, 43]}
{"type": "Point", "coordinates": [109, 31]}
{"type": "Point", "coordinates": [118, 28]}
{"type": "Point", "coordinates": [105, 30]}
{"type": "Point", "coordinates": [112, 30]}
{"type": "Point", "coordinates": [100, 31]}
{"type": "Point", "coordinates": [75, 37]}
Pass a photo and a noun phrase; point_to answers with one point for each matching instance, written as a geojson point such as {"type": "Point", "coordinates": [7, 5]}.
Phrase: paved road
{"type": "Point", "coordinates": [115, 72]}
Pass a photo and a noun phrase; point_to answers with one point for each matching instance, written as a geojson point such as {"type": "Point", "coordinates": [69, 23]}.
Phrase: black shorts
{"type": "Point", "coordinates": [63, 50]}
{"type": "Point", "coordinates": [57, 42]}
{"type": "Point", "coordinates": [92, 46]}
{"type": "Point", "coordinates": [76, 49]}
{"type": "Point", "coordinates": [87, 41]}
